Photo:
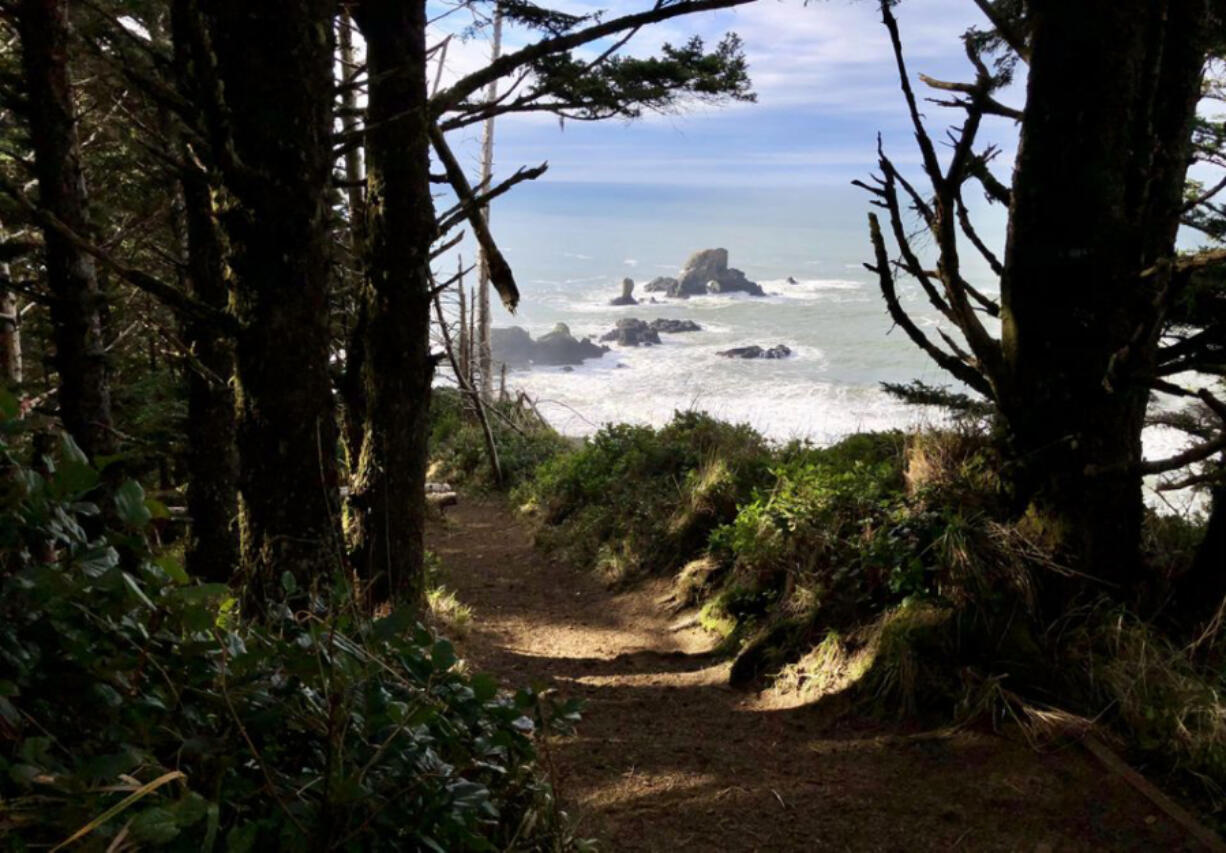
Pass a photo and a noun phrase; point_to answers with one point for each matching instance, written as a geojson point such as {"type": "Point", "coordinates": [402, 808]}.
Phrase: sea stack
{"type": "Point", "coordinates": [707, 271]}
{"type": "Point", "coordinates": [627, 297]}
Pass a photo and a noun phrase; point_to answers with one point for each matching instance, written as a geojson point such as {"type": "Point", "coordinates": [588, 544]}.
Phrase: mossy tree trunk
{"type": "Point", "coordinates": [1097, 189]}
{"type": "Point", "coordinates": [212, 455]}
{"type": "Point", "coordinates": [352, 392]}
{"type": "Point", "coordinates": [72, 278]}
{"type": "Point", "coordinates": [212, 552]}
{"type": "Point", "coordinates": [275, 65]}
{"type": "Point", "coordinates": [389, 487]}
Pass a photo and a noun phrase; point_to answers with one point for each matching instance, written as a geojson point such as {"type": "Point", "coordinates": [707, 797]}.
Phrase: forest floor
{"type": "Point", "coordinates": [668, 758]}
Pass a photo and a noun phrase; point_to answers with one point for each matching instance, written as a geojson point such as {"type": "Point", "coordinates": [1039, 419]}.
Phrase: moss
{"type": "Point", "coordinates": [716, 619]}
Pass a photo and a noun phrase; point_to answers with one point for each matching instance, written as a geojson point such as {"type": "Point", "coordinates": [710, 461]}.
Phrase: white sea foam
{"type": "Point", "coordinates": [837, 327]}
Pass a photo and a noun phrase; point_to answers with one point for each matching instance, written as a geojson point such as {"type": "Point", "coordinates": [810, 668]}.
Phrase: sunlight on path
{"type": "Point", "coordinates": [669, 758]}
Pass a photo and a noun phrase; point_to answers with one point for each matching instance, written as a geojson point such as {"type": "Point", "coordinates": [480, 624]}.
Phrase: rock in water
{"type": "Point", "coordinates": [707, 271]}
{"type": "Point", "coordinates": [627, 297]}
{"type": "Point", "coordinates": [674, 327]}
{"type": "Point", "coordinates": [792, 280]}
{"type": "Point", "coordinates": [702, 267]}
{"type": "Point", "coordinates": [661, 284]}
{"type": "Point", "coordinates": [632, 333]}
{"type": "Point", "coordinates": [512, 346]}
{"type": "Point", "coordinates": [755, 351]}
{"type": "Point", "coordinates": [561, 347]}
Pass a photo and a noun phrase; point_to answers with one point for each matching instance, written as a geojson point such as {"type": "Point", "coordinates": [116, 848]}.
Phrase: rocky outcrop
{"type": "Point", "coordinates": [627, 297]}
{"type": "Point", "coordinates": [755, 351]}
{"type": "Point", "coordinates": [707, 271]}
{"type": "Point", "coordinates": [514, 347]}
{"type": "Point", "coordinates": [661, 284]}
{"type": "Point", "coordinates": [674, 327]}
{"type": "Point", "coordinates": [632, 333]}
{"type": "Point", "coordinates": [561, 347]}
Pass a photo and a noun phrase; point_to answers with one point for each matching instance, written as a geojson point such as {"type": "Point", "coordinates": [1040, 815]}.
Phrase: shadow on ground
{"type": "Point", "coordinates": [669, 758]}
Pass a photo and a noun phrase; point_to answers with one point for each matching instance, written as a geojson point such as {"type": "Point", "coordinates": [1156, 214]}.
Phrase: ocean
{"type": "Point", "coordinates": [571, 245]}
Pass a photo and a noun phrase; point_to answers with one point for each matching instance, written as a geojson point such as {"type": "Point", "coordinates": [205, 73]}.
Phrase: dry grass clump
{"type": "Point", "coordinates": [949, 459]}
{"type": "Point", "coordinates": [1155, 694]}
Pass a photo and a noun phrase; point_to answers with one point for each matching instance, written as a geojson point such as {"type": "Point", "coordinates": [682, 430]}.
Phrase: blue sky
{"type": "Point", "coordinates": [768, 180]}
{"type": "Point", "coordinates": [826, 84]}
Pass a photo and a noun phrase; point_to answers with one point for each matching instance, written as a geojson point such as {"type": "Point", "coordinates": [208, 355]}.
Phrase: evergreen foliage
{"type": "Point", "coordinates": [137, 702]}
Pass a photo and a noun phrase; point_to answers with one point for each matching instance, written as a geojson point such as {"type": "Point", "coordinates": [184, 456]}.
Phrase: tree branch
{"type": "Point", "coordinates": [499, 270]}
{"type": "Point", "coordinates": [170, 295]}
{"type": "Point", "coordinates": [959, 369]}
{"type": "Point", "coordinates": [508, 63]}
{"type": "Point", "coordinates": [461, 212]}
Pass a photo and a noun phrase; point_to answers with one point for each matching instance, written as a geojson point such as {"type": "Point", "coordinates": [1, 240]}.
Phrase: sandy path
{"type": "Point", "coordinates": [668, 758]}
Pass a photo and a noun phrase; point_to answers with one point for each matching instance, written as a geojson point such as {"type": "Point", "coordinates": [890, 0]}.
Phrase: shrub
{"type": "Point", "coordinates": [634, 500]}
{"type": "Point", "coordinates": [136, 703]}
{"type": "Point", "coordinates": [457, 444]}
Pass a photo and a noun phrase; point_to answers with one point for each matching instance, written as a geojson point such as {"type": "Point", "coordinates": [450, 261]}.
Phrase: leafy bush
{"type": "Point", "coordinates": [634, 499]}
{"type": "Point", "coordinates": [137, 704]}
{"type": "Point", "coordinates": [824, 507]}
{"type": "Point", "coordinates": [457, 444]}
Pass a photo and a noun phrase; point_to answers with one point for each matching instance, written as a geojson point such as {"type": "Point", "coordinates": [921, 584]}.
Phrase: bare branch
{"type": "Point", "coordinates": [499, 270]}
{"type": "Point", "coordinates": [460, 212]}
{"type": "Point", "coordinates": [958, 368]}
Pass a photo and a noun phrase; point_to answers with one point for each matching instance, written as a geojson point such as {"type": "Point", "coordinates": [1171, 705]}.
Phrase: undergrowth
{"type": "Point", "coordinates": [457, 444]}
{"type": "Point", "coordinates": [139, 708]}
{"type": "Point", "coordinates": [885, 570]}
{"type": "Point", "coordinates": [634, 500]}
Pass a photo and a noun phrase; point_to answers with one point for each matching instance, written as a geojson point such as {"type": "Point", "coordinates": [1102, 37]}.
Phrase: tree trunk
{"type": "Point", "coordinates": [1200, 593]}
{"type": "Point", "coordinates": [352, 391]}
{"type": "Point", "coordinates": [484, 349]}
{"type": "Point", "coordinates": [10, 330]}
{"type": "Point", "coordinates": [212, 552]}
{"type": "Point", "coordinates": [212, 456]}
{"type": "Point", "coordinates": [1121, 78]}
{"type": "Point", "coordinates": [275, 65]}
{"type": "Point", "coordinates": [389, 490]}
{"type": "Point", "coordinates": [84, 389]}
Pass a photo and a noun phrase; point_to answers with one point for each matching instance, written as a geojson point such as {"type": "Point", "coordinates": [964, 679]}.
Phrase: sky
{"type": "Point", "coordinates": [769, 180]}
{"type": "Point", "coordinates": [825, 81]}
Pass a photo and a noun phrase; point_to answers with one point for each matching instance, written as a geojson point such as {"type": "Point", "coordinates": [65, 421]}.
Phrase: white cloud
{"type": "Point", "coordinates": [825, 78]}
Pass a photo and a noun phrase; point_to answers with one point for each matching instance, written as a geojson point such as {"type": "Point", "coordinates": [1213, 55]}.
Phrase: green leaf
{"type": "Point", "coordinates": [242, 838]}
{"type": "Point", "coordinates": [190, 809]}
{"type": "Point", "coordinates": [394, 624]}
{"type": "Point", "coordinates": [210, 834]}
{"type": "Point", "coordinates": [155, 826]}
{"type": "Point", "coordinates": [485, 686]}
{"type": "Point", "coordinates": [289, 583]}
{"type": "Point", "coordinates": [173, 570]}
{"type": "Point", "coordinates": [70, 451]}
{"type": "Point", "coordinates": [156, 508]}
{"type": "Point", "coordinates": [130, 502]}
{"type": "Point", "coordinates": [10, 406]}
{"type": "Point", "coordinates": [135, 587]}
{"type": "Point", "coordinates": [74, 478]}
{"type": "Point", "coordinates": [104, 462]}
{"type": "Point", "coordinates": [443, 655]}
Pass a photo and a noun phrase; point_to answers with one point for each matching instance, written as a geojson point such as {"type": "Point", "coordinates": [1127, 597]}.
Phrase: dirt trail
{"type": "Point", "coordinates": [668, 758]}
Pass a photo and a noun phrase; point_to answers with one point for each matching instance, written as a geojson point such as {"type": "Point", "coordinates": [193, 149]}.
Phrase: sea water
{"type": "Point", "coordinates": [571, 245]}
